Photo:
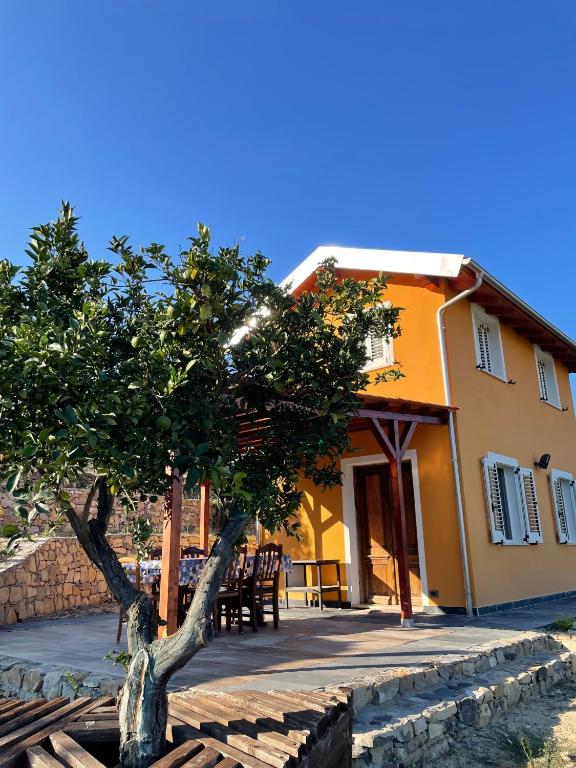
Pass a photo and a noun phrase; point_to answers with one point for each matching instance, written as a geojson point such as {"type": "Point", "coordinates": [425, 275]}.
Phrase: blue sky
{"type": "Point", "coordinates": [443, 126]}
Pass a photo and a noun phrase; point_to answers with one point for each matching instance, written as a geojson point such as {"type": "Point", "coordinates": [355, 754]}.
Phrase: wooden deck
{"type": "Point", "coordinates": [241, 730]}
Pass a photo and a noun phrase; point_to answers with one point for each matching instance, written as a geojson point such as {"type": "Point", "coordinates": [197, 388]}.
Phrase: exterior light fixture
{"type": "Point", "coordinates": [543, 461]}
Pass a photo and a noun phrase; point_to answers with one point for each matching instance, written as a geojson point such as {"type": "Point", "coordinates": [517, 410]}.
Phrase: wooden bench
{"type": "Point", "coordinates": [243, 729]}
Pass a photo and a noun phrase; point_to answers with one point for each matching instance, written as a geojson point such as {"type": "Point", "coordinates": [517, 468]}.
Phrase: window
{"type": "Point", "coordinates": [512, 501]}
{"type": "Point", "coordinates": [546, 373]}
{"type": "Point", "coordinates": [564, 502]}
{"type": "Point", "coordinates": [379, 351]}
{"type": "Point", "coordinates": [489, 354]}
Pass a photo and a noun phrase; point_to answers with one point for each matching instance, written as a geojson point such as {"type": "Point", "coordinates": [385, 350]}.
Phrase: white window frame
{"type": "Point", "coordinates": [565, 523]}
{"type": "Point", "coordinates": [549, 392]}
{"type": "Point", "coordinates": [386, 360]}
{"type": "Point", "coordinates": [497, 368]}
{"type": "Point", "coordinates": [526, 521]}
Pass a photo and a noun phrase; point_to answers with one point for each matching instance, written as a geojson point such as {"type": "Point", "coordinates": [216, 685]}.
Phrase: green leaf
{"type": "Point", "coordinates": [8, 530]}
{"type": "Point", "coordinates": [29, 451]}
{"type": "Point", "coordinates": [12, 481]}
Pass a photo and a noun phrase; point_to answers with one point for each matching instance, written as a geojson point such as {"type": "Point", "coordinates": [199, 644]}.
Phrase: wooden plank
{"type": "Point", "coordinates": [205, 759]}
{"type": "Point", "coordinates": [234, 719]}
{"type": "Point", "coordinates": [71, 753]}
{"type": "Point", "coordinates": [180, 732]}
{"type": "Point", "coordinates": [275, 724]}
{"type": "Point", "coordinates": [271, 709]}
{"type": "Point", "coordinates": [179, 756]}
{"type": "Point", "coordinates": [229, 762]}
{"type": "Point", "coordinates": [20, 709]}
{"type": "Point", "coordinates": [88, 731]}
{"type": "Point", "coordinates": [7, 730]}
{"type": "Point", "coordinates": [238, 740]}
{"type": "Point", "coordinates": [11, 704]}
{"type": "Point", "coordinates": [34, 733]}
{"type": "Point", "coordinates": [38, 758]}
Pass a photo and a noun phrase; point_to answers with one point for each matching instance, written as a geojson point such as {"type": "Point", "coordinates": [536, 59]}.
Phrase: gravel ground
{"type": "Point", "coordinates": [546, 726]}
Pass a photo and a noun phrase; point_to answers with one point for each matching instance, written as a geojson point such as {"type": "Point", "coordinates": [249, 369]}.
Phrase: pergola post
{"type": "Point", "coordinates": [170, 575]}
{"type": "Point", "coordinates": [394, 446]}
{"type": "Point", "coordinates": [205, 515]}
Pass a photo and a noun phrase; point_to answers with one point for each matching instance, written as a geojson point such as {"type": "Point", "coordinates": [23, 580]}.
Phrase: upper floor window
{"type": "Point", "coordinates": [512, 501]}
{"type": "Point", "coordinates": [379, 351]}
{"type": "Point", "coordinates": [564, 502]}
{"type": "Point", "coordinates": [547, 377]}
{"type": "Point", "coordinates": [489, 353]}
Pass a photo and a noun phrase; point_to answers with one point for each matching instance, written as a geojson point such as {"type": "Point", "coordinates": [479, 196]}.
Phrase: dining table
{"type": "Point", "coordinates": [190, 569]}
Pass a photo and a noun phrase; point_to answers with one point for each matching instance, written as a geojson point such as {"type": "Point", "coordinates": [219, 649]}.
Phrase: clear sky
{"type": "Point", "coordinates": [419, 125]}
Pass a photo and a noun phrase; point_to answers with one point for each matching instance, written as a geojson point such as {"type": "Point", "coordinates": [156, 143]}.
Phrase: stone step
{"type": "Point", "coordinates": [384, 686]}
{"type": "Point", "coordinates": [415, 727]}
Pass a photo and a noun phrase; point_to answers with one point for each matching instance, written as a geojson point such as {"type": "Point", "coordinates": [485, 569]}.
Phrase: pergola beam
{"type": "Point", "coordinates": [170, 575]}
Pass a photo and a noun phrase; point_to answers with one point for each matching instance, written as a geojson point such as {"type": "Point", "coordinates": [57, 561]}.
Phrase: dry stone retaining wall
{"type": "Point", "coordinates": [408, 719]}
{"type": "Point", "coordinates": [55, 574]}
{"type": "Point", "coordinates": [118, 522]}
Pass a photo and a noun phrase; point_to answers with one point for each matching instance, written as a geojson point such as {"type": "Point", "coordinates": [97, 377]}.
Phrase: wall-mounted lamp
{"type": "Point", "coordinates": [565, 409]}
{"type": "Point", "coordinates": [511, 381]}
{"type": "Point", "coordinates": [543, 461]}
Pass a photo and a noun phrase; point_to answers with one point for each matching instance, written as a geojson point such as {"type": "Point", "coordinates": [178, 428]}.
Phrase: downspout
{"type": "Point", "coordinates": [452, 432]}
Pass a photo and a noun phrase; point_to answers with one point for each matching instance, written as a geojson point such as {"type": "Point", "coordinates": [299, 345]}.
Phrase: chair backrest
{"type": "Point", "coordinates": [235, 572]}
{"type": "Point", "coordinates": [132, 573]}
{"type": "Point", "coordinates": [192, 552]}
{"type": "Point", "coordinates": [267, 562]}
{"type": "Point", "coordinates": [156, 554]}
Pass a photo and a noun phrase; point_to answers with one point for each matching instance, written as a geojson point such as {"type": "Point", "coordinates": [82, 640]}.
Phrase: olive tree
{"type": "Point", "coordinates": [142, 367]}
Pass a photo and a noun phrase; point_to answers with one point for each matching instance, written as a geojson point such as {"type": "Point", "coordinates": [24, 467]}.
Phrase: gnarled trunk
{"type": "Point", "coordinates": [143, 711]}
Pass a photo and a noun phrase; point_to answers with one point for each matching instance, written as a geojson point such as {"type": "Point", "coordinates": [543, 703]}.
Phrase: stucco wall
{"type": "Point", "coordinates": [510, 419]}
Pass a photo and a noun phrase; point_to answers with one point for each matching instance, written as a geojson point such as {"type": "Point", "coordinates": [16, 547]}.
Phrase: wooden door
{"type": "Point", "coordinates": [376, 543]}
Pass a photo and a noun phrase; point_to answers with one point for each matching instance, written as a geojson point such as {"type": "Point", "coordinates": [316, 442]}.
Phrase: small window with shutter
{"type": "Point", "coordinates": [546, 373]}
{"type": "Point", "coordinates": [512, 501]}
{"type": "Point", "coordinates": [488, 342]}
{"type": "Point", "coordinates": [563, 489]}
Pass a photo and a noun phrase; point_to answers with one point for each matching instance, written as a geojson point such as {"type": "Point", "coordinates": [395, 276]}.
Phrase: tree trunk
{"type": "Point", "coordinates": [143, 713]}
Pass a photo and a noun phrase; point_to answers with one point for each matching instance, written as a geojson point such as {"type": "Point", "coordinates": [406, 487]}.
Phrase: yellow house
{"type": "Point", "coordinates": [460, 494]}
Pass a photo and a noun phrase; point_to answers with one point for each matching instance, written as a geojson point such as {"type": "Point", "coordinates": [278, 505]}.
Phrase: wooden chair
{"type": "Point", "coordinates": [186, 552]}
{"type": "Point", "coordinates": [232, 593]}
{"type": "Point", "coordinates": [155, 554]}
{"type": "Point", "coordinates": [265, 583]}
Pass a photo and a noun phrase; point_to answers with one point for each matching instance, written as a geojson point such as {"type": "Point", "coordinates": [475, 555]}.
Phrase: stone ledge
{"type": "Point", "coordinates": [27, 680]}
{"type": "Point", "coordinates": [415, 728]}
{"type": "Point", "coordinates": [384, 686]}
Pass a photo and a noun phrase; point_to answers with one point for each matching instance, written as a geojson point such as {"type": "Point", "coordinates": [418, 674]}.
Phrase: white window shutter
{"type": "Point", "coordinates": [483, 333]}
{"type": "Point", "coordinates": [376, 347]}
{"type": "Point", "coordinates": [530, 507]}
{"type": "Point", "coordinates": [541, 368]}
{"type": "Point", "coordinates": [494, 501]}
{"type": "Point", "coordinates": [559, 509]}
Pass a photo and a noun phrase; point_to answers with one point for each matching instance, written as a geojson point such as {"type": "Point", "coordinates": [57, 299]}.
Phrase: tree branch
{"type": "Point", "coordinates": [174, 652]}
{"type": "Point", "coordinates": [88, 503]}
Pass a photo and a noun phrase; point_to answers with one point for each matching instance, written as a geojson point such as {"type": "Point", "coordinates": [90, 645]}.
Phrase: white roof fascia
{"type": "Point", "coordinates": [377, 260]}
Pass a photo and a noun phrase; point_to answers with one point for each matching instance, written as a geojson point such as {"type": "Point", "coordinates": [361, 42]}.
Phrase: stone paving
{"type": "Point", "coordinates": [310, 650]}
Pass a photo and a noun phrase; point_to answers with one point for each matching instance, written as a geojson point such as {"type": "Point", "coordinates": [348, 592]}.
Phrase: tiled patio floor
{"type": "Point", "coordinates": [310, 650]}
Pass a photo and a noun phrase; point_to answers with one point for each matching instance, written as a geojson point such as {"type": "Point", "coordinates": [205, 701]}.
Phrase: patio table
{"type": "Point", "coordinates": [191, 568]}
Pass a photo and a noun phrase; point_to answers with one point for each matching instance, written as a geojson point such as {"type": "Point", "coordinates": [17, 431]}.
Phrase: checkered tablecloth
{"type": "Point", "coordinates": [190, 569]}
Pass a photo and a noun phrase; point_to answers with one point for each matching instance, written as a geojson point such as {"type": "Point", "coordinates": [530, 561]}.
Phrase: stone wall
{"type": "Point", "coordinates": [118, 521]}
{"type": "Point", "coordinates": [54, 574]}
{"type": "Point", "coordinates": [406, 718]}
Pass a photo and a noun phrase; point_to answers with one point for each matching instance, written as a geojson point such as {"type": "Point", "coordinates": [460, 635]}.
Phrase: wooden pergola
{"type": "Point", "coordinates": [392, 421]}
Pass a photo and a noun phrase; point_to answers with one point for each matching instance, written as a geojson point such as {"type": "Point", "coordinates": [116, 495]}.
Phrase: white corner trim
{"type": "Point", "coordinates": [498, 458]}
{"type": "Point", "coordinates": [351, 529]}
{"type": "Point", "coordinates": [560, 475]}
{"type": "Point", "coordinates": [377, 260]}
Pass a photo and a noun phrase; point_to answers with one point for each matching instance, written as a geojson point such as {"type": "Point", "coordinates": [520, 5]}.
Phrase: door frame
{"type": "Point", "coordinates": [351, 528]}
